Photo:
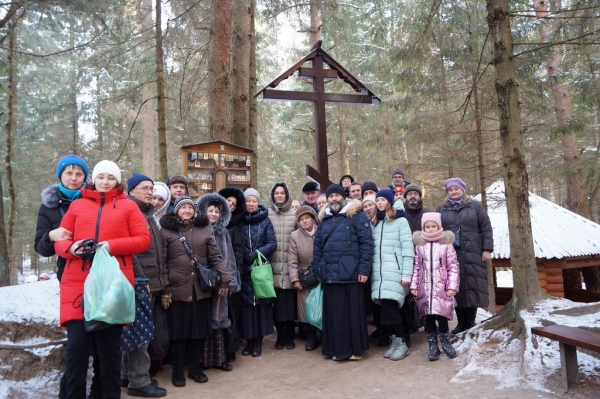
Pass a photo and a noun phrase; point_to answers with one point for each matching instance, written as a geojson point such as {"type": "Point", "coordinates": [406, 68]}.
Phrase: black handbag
{"type": "Point", "coordinates": [209, 278]}
{"type": "Point", "coordinates": [307, 276]}
{"type": "Point", "coordinates": [412, 313]}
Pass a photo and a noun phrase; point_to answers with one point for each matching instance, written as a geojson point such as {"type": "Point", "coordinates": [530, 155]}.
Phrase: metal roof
{"type": "Point", "coordinates": [557, 232]}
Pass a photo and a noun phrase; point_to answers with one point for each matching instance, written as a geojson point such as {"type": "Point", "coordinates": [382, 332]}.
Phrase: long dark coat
{"type": "Point", "coordinates": [472, 224]}
{"type": "Point", "coordinates": [258, 235]}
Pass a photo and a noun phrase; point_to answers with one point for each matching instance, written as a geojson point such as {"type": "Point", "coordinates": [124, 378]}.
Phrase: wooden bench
{"type": "Point", "coordinates": [569, 338]}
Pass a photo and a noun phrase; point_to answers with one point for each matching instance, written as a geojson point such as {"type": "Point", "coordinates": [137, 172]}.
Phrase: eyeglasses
{"type": "Point", "coordinates": [145, 189]}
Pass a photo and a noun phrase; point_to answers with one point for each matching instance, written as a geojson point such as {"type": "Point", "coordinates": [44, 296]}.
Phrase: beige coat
{"type": "Point", "coordinates": [284, 223]}
{"type": "Point", "coordinates": [300, 255]}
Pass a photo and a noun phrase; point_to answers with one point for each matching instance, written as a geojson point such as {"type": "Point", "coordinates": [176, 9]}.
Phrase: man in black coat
{"type": "Point", "coordinates": [135, 365]}
{"type": "Point", "coordinates": [413, 206]}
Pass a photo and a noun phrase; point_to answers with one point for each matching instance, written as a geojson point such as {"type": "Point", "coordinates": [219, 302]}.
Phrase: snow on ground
{"type": "Point", "coordinates": [481, 352]}
{"type": "Point", "coordinates": [489, 352]}
{"type": "Point", "coordinates": [37, 302]}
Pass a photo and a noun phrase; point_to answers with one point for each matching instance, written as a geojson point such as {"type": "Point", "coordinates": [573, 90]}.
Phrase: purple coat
{"type": "Point", "coordinates": [435, 271]}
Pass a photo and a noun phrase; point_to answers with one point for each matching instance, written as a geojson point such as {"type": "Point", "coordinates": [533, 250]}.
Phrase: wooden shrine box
{"type": "Point", "coordinates": [214, 165]}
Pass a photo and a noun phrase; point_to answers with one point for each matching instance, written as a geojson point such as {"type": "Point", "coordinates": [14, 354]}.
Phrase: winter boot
{"type": "Point", "coordinates": [247, 351]}
{"type": "Point", "coordinates": [289, 335]}
{"type": "Point", "coordinates": [434, 349]}
{"type": "Point", "coordinates": [446, 345]}
{"type": "Point", "coordinates": [407, 340]}
{"type": "Point", "coordinates": [257, 348]}
{"type": "Point", "coordinates": [394, 342]}
{"type": "Point", "coordinates": [311, 339]}
{"type": "Point", "coordinates": [400, 351]}
{"type": "Point", "coordinates": [177, 349]}
{"type": "Point", "coordinates": [460, 315]}
{"type": "Point", "coordinates": [470, 314]}
{"type": "Point", "coordinates": [281, 335]}
{"type": "Point", "coordinates": [195, 371]}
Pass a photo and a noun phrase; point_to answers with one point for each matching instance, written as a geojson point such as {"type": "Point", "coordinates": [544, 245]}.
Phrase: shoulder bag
{"type": "Point", "coordinates": [209, 277]}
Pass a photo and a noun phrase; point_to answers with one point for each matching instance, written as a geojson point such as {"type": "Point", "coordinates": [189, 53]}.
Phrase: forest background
{"type": "Point", "coordinates": [133, 81]}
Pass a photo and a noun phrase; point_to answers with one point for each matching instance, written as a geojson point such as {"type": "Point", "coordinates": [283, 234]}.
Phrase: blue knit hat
{"type": "Point", "coordinates": [387, 194]}
{"type": "Point", "coordinates": [68, 160]}
{"type": "Point", "coordinates": [136, 179]}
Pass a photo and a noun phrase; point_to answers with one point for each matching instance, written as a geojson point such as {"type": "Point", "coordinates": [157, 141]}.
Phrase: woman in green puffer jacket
{"type": "Point", "coordinates": [392, 267]}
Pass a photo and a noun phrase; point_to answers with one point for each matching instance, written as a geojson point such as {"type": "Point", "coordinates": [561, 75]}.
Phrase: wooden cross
{"type": "Point", "coordinates": [320, 98]}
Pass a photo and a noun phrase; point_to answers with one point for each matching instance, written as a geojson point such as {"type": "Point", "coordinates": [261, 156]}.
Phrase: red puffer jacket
{"type": "Point", "coordinates": [121, 223]}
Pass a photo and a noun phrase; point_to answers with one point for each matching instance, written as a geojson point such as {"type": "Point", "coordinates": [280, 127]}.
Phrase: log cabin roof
{"type": "Point", "coordinates": [557, 232]}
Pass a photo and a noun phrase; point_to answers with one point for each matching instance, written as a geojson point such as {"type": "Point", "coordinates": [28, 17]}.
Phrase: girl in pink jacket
{"type": "Point", "coordinates": [435, 281]}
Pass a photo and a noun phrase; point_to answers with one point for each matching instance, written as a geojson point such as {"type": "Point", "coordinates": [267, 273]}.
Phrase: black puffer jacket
{"type": "Point", "coordinates": [150, 260]}
{"type": "Point", "coordinates": [414, 216]}
{"type": "Point", "coordinates": [53, 208]}
{"type": "Point", "coordinates": [258, 235]}
{"type": "Point", "coordinates": [472, 225]}
{"type": "Point", "coordinates": [235, 225]}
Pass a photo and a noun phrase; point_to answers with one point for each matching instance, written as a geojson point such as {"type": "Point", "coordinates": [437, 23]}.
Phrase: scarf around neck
{"type": "Point", "coordinates": [69, 194]}
{"type": "Point", "coordinates": [432, 237]}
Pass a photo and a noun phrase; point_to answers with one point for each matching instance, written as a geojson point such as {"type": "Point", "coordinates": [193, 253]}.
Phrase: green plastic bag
{"type": "Point", "coordinates": [107, 294]}
{"type": "Point", "coordinates": [314, 307]}
{"type": "Point", "coordinates": [262, 277]}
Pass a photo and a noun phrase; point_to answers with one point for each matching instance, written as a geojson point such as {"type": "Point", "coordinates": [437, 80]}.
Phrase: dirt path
{"type": "Point", "coordinates": [300, 374]}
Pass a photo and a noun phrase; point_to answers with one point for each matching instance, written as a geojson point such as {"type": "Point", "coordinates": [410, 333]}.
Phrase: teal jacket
{"type": "Point", "coordinates": [392, 259]}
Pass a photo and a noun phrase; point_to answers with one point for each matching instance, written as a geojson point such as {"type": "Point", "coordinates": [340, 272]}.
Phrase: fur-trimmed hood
{"type": "Point", "coordinates": [467, 200]}
{"type": "Point", "coordinates": [447, 238]}
{"type": "Point", "coordinates": [288, 199]}
{"type": "Point", "coordinates": [209, 199]}
{"type": "Point", "coordinates": [170, 221]}
{"type": "Point", "coordinates": [351, 209]}
{"type": "Point", "coordinates": [240, 209]}
{"type": "Point", "coordinates": [51, 197]}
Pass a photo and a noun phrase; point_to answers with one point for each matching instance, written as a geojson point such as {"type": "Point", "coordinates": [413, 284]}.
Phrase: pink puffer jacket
{"type": "Point", "coordinates": [435, 271]}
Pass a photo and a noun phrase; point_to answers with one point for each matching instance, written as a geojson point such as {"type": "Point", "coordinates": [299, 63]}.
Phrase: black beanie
{"type": "Point", "coordinates": [368, 185]}
{"type": "Point", "coordinates": [335, 188]}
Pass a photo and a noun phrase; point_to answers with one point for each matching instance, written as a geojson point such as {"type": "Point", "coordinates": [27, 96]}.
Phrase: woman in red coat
{"type": "Point", "coordinates": [105, 214]}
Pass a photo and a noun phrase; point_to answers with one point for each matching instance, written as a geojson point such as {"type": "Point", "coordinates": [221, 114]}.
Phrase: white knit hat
{"type": "Point", "coordinates": [107, 167]}
{"type": "Point", "coordinates": [162, 191]}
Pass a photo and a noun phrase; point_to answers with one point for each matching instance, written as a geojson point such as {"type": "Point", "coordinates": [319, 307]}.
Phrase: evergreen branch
{"type": "Point", "coordinates": [132, 125]}
{"type": "Point", "coordinates": [567, 41]}
{"type": "Point", "coordinates": [51, 54]}
{"type": "Point", "coordinates": [14, 7]}
{"type": "Point", "coordinates": [183, 13]}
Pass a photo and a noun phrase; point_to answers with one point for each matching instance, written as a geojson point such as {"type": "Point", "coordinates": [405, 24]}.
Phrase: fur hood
{"type": "Point", "coordinates": [51, 197]}
{"type": "Point", "coordinates": [447, 238]}
{"type": "Point", "coordinates": [352, 208]}
{"type": "Point", "coordinates": [288, 199]}
{"type": "Point", "coordinates": [240, 209]}
{"type": "Point", "coordinates": [207, 200]}
{"type": "Point", "coordinates": [170, 222]}
{"type": "Point", "coordinates": [467, 200]}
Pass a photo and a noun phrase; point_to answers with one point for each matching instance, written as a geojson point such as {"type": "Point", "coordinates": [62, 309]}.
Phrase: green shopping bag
{"type": "Point", "coordinates": [107, 294]}
{"type": "Point", "coordinates": [262, 277]}
{"type": "Point", "coordinates": [314, 307]}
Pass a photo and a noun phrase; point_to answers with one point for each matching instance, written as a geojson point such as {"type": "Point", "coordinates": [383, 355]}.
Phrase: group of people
{"type": "Point", "coordinates": [368, 248]}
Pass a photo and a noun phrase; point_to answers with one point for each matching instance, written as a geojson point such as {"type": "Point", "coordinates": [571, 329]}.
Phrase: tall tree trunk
{"type": "Point", "coordinates": [577, 198]}
{"type": "Point", "coordinates": [315, 22]}
{"type": "Point", "coordinates": [99, 125]}
{"type": "Point", "coordinates": [240, 66]}
{"type": "Point", "coordinates": [147, 112]}
{"type": "Point", "coordinates": [482, 183]}
{"type": "Point", "coordinates": [73, 92]}
{"type": "Point", "coordinates": [253, 112]}
{"type": "Point", "coordinates": [11, 127]}
{"type": "Point", "coordinates": [219, 67]}
{"type": "Point", "coordinates": [526, 291]}
{"type": "Point", "coordinates": [4, 258]}
{"type": "Point", "coordinates": [160, 95]}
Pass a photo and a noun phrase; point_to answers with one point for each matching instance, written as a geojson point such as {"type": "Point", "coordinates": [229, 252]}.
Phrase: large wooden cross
{"type": "Point", "coordinates": [320, 98]}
